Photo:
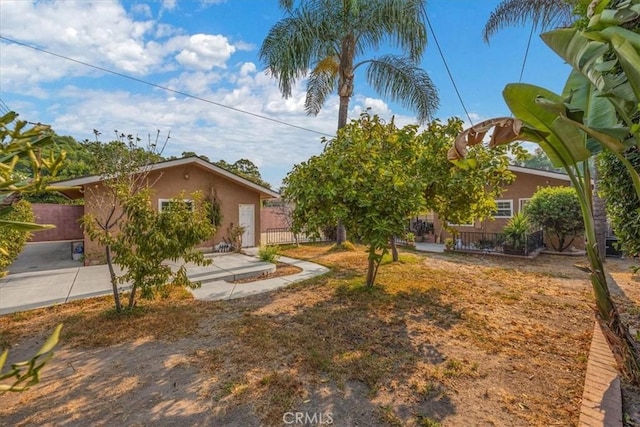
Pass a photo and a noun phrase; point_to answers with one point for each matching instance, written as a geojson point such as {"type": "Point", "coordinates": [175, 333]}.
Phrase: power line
{"type": "Point", "coordinates": [4, 108]}
{"type": "Point", "coordinates": [526, 53]}
{"type": "Point", "coordinates": [187, 95]}
{"type": "Point", "coordinates": [435, 39]}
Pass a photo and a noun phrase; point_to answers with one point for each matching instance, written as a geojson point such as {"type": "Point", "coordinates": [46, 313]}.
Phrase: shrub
{"type": "Point", "coordinates": [269, 253]}
{"type": "Point", "coordinates": [557, 211]}
{"type": "Point", "coordinates": [12, 240]}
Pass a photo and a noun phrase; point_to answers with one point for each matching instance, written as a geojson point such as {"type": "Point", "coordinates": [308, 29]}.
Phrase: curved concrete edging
{"type": "Point", "coordinates": [222, 290]}
{"type": "Point", "coordinates": [601, 398]}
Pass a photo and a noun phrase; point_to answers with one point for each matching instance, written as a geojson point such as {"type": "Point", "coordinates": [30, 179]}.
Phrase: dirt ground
{"type": "Point", "coordinates": [442, 340]}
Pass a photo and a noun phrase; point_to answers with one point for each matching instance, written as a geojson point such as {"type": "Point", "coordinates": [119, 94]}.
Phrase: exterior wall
{"type": "Point", "coordinates": [171, 182]}
{"type": "Point", "coordinates": [272, 218]}
{"type": "Point", "coordinates": [523, 187]}
{"type": "Point", "coordinates": [64, 217]}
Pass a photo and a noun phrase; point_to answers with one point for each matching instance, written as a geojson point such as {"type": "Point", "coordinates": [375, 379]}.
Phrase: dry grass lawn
{"type": "Point", "coordinates": [442, 339]}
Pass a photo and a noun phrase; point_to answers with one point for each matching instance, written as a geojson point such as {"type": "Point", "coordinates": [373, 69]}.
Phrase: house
{"type": "Point", "coordinates": [238, 198]}
{"type": "Point", "coordinates": [514, 197]}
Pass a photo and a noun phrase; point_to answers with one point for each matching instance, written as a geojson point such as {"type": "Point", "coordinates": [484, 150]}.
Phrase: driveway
{"type": "Point", "coordinates": [43, 256]}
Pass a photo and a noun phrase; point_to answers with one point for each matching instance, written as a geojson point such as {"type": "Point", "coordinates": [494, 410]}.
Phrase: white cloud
{"type": "Point", "coordinates": [205, 51]}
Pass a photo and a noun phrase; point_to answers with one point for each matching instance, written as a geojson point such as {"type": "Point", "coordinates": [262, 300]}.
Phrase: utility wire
{"type": "Point", "coordinates": [526, 53]}
{"type": "Point", "coordinates": [435, 39]}
{"type": "Point", "coordinates": [186, 95]}
{"type": "Point", "coordinates": [4, 108]}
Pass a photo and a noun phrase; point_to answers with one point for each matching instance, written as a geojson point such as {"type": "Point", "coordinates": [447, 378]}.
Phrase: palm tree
{"type": "Point", "coordinates": [543, 13]}
{"type": "Point", "coordinates": [322, 40]}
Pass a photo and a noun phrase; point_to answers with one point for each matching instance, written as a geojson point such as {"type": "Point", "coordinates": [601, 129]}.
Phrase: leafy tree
{"type": "Point", "coordinates": [369, 175]}
{"type": "Point", "coordinates": [323, 40]}
{"type": "Point", "coordinates": [459, 195]}
{"type": "Point", "coordinates": [125, 225]}
{"type": "Point", "coordinates": [147, 238]}
{"type": "Point", "coordinates": [244, 168]}
{"type": "Point", "coordinates": [17, 143]}
{"type": "Point", "coordinates": [538, 160]}
{"type": "Point", "coordinates": [557, 211]}
{"type": "Point", "coordinates": [376, 176]}
{"type": "Point", "coordinates": [194, 154]}
{"type": "Point", "coordinates": [623, 204]}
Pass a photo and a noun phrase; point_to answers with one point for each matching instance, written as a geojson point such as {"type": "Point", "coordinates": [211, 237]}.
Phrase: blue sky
{"type": "Point", "coordinates": [209, 49]}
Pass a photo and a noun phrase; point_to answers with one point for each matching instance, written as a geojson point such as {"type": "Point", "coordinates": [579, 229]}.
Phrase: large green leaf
{"type": "Point", "coordinates": [629, 61]}
{"type": "Point", "coordinates": [24, 226]}
{"type": "Point", "coordinates": [579, 51]}
{"type": "Point", "coordinates": [565, 144]}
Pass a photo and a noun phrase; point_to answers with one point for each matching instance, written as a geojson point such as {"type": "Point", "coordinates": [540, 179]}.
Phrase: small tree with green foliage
{"type": "Point", "coordinates": [133, 234]}
{"type": "Point", "coordinates": [557, 211]}
{"type": "Point", "coordinates": [148, 238]}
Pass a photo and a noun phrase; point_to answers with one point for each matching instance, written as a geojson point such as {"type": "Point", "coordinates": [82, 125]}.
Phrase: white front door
{"type": "Point", "coordinates": [248, 221]}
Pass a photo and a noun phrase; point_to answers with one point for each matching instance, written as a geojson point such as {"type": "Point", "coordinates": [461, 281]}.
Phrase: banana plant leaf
{"type": "Point", "coordinates": [25, 226]}
{"type": "Point", "coordinates": [540, 108]}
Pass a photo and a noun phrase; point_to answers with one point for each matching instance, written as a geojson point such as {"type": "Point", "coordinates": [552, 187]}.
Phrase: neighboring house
{"type": "Point", "coordinates": [514, 197]}
{"type": "Point", "coordinates": [239, 199]}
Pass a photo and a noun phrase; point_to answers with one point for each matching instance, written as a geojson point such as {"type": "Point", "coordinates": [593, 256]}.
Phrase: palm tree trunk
{"type": "Point", "coordinates": [341, 232]}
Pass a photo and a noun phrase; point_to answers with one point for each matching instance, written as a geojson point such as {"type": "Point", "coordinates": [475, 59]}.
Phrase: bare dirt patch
{"type": "Point", "coordinates": [444, 340]}
{"type": "Point", "coordinates": [282, 269]}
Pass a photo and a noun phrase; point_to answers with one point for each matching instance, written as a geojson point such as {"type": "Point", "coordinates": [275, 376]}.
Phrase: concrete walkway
{"type": "Point", "coordinates": [220, 289]}
{"type": "Point", "coordinates": [35, 289]}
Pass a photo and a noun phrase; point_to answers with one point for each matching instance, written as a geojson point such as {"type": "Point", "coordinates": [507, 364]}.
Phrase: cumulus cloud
{"type": "Point", "coordinates": [205, 51]}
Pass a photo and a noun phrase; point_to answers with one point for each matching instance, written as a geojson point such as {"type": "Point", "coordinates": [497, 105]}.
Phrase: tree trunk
{"type": "Point", "coordinates": [132, 296]}
{"type": "Point", "coordinates": [394, 249]}
{"type": "Point", "coordinates": [345, 90]}
{"type": "Point", "coordinates": [114, 282]}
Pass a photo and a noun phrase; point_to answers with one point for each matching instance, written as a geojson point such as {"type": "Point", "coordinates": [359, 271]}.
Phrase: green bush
{"type": "Point", "coordinates": [557, 211]}
{"type": "Point", "coordinates": [269, 253]}
{"type": "Point", "coordinates": [11, 240]}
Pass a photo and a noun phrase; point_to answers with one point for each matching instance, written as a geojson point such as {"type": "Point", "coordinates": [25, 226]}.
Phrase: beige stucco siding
{"type": "Point", "coordinates": [169, 183]}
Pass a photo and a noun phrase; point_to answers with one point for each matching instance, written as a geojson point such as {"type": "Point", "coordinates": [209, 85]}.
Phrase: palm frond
{"type": "Point", "coordinates": [401, 80]}
{"type": "Point", "coordinates": [400, 23]}
{"type": "Point", "coordinates": [322, 81]}
{"type": "Point", "coordinates": [543, 13]}
{"type": "Point", "coordinates": [293, 44]}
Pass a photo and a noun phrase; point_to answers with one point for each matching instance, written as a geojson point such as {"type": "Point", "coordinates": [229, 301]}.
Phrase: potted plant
{"type": "Point", "coordinates": [410, 238]}
{"type": "Point", "coordinates": [515, 235]}
{"type": "Point", "coordinates": [448, 243]}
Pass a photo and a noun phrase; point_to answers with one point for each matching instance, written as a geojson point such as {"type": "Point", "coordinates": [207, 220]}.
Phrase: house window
{"type": "Point", "coordinates": [165, 203]}
{"type": "Point", "coordinates": [522, 204]}
{"type": "Point", "coordinates": [504, 209]}
{"type": "Point", "coordinates": [469, 224]}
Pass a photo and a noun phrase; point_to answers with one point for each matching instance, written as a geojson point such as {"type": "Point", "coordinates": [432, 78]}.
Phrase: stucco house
{"type": "Point", "coordinates": [514, 197]}
{"type": "Point", "coordinates": [238, 198]}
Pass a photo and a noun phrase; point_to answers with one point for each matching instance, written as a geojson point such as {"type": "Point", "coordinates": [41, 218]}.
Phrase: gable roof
{"type": "Point", "coordinates": [540, 172]}
{"type": "Point", "coordinates": [264, 192]}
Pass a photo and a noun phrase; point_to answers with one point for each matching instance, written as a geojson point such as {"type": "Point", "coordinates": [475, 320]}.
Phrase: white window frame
{"type": "Point", "coordinates": [470, 224]}
{"type": "Point", "coordinates": [521, 205]}
{"type": "Point", "coordinates": [495, 215]}
{"type": "Point", "coordinates": [167, 201]}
